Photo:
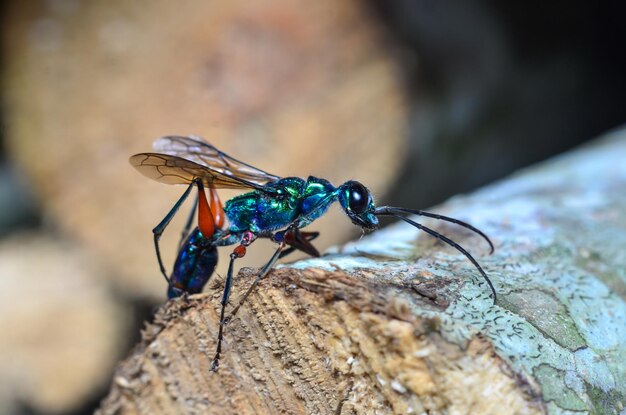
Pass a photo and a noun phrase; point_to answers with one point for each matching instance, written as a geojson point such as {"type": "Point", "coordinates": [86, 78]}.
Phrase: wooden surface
{"type": "Point", "coordinates": [397, 323]}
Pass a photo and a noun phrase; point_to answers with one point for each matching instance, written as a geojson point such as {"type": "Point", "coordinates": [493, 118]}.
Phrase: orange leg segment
{"type": "Point", "coordinates": [206, 220]}
{"type": "Point", "coordinates": [217, 209]}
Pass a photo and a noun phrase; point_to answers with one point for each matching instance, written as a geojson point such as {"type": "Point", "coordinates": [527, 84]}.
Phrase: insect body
{"type": "Point", "coordinates": [194, 265]}
{"type": "Point", "coordinates": [274, 208]}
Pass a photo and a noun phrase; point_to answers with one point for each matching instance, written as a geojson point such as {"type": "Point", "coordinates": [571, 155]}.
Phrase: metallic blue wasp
{"type": "Point", "coordinates": [274, 208]}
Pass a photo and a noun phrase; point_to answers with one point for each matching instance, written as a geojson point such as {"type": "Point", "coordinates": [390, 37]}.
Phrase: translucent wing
{"type": "Point", "coordinates": [170, 169]}
{"type": "Point", "coordinates": [199, 151]}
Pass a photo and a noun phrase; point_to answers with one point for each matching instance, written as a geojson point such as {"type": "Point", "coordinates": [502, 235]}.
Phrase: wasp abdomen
{"type": "Point", "coordinates": [194, 266]}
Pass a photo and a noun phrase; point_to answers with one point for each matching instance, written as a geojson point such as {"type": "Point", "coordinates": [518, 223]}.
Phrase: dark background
{"type": "Point", "coordinates": [498, 85]}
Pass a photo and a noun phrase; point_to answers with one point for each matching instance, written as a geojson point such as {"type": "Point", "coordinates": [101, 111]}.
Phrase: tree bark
{"type": "Point", "coordinates": [398, 323]}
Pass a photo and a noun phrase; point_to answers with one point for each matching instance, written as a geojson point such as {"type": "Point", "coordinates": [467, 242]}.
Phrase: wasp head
{"type": "Point", "coordinates": [358, 204]}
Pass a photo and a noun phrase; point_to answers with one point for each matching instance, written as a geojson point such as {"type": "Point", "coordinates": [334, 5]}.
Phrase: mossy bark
{"type": "Point", "coordinates": [399, 323]}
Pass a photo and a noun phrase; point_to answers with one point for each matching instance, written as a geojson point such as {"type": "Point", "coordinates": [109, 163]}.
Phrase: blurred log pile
{"type": "Point", "coordinates": [294, 88]}
{"type": "Point", "coordinates": [109, 77]}
{"type": "Point", "coordinates": [398, 323]}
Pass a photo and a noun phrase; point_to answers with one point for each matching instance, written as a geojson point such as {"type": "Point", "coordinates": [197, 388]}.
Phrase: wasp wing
{"type": "Point", "coordinates": [203, 153]}
{"type": "Point", "coordinates": [169, 169]}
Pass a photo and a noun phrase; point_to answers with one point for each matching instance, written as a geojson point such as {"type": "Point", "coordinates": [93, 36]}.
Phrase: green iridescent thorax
{"type": "Point", "coordinates": [285, 201]}
{"type": "Point", "coordinates": [317, 197]}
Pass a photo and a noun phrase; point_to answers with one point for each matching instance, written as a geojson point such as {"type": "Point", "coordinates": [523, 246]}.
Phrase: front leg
{"type": "Point", "coordinates": [256, 281]}
{"type": "Point", "coordinates": [238, 252]}
{"type": "Point", "coordinates": [296, 240]}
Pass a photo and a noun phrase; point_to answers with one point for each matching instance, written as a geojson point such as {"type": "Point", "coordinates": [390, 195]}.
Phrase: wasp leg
{"type": "Point", "coordinates": [238, 252]}
{"type": "Point", "coordinates": [217, 209]}
{"type": "Point", "coordinates": [158, 230]}
{"type": "Point", "coordinates": [266, 268]}
{"type": "Point", "coordinates": [206, 218]}
{"type": "Point", "coordinates": [188, 224]}
{"type": "Point", "coordinates": [300, 241]}
{"type": "Point", "coordinates": [297, 240]}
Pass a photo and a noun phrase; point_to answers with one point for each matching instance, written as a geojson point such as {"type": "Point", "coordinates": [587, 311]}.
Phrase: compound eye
{"type": "Point", "coordinates": [358, 198]}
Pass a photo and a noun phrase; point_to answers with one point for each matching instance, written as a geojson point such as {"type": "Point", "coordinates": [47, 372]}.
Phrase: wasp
{"type": "Point", "coordinates": [272, 207]}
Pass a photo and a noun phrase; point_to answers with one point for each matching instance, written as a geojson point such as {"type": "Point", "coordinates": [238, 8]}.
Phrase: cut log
{"type": "Point", "coordinates": [400, 323]}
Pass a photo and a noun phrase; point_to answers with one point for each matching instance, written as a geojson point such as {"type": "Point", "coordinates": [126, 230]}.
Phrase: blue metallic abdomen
{"type": "Point", "coordinates": [194, 266]}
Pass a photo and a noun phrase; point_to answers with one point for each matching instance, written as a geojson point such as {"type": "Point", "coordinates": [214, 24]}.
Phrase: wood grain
{"type": "Point", "coordinates": [396, 323]}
